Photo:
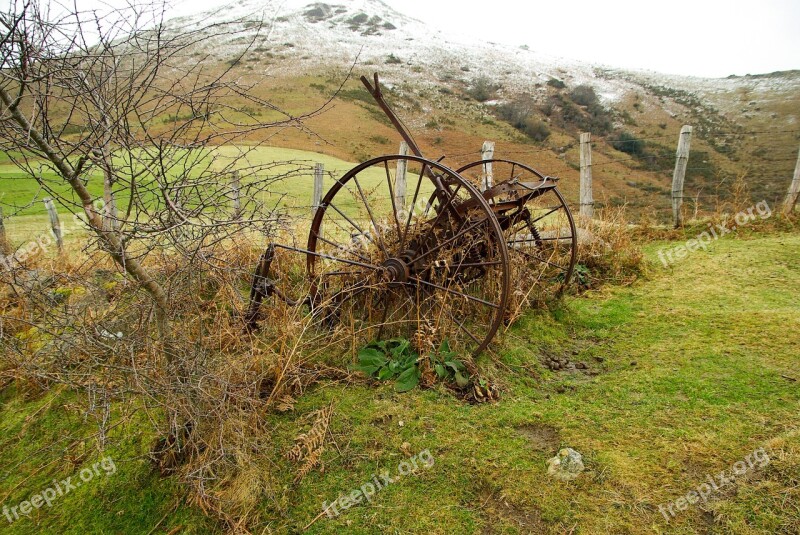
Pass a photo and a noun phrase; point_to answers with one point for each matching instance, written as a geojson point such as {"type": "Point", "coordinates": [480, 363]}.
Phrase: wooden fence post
{"type": "Point", "coordinates": [487, 153]}
{"type": "Point", "coordinates": [586, 201]}
{"type": "Point", "coordinates": [400, 179]}
{"type": "Point", "coordinates": [682, 158]}
{"type": "Point", "coordinates": [55, 223]}
{"type": "Point", "coordinates": [316, 200]}
{"type": "Point", "coordinates": [236, 212]}
{"type": "Point", "coordinates": [5, 248]}
{"type": "Point", "coordinates": [794, 189]}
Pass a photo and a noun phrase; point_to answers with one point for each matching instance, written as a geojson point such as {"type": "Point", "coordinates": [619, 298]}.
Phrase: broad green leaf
{"type": "Point", "coordinates": [461, 380]}
{"type": "Point", "coordinates": [385, 373]}
{"type": "Point", "coordinates": [455, 365]}
{"type": "Point", "coordinates": [407, 380]}
{"type": "Point", "coordinates": [400, 349]}
{"type": "Point", "coordinates": [440, 371]}
{"type": "Point", "coordinates": [370, 361]}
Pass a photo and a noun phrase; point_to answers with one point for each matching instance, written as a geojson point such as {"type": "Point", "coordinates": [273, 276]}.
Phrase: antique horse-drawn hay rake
{"type": "Point", "coordinates": [428, 257]}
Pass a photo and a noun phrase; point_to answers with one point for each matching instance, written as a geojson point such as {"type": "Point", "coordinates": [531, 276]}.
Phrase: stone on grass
{"type": "Point", "coordinates": [566, 465]}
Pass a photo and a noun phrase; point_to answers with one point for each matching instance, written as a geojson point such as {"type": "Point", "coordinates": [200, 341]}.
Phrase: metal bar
{"type": "Point", "coordinates": [378, 96]}
{"type": "Point", "coordinates": [334, 258]}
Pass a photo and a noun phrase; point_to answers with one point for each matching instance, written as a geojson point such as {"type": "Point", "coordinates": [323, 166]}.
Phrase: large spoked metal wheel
{"type": "Point", "coordinates": [541, 233]}
{"type": "Point", "coordinates": [422, 258]}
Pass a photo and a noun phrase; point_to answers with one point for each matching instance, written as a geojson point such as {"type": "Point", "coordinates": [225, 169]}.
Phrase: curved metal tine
{"type": "Point", "coordinates": [462, 283]}
{"type": "Point", "coordinates": [386, 319]}
{"type": "Point", "coordinates": [454, 292]}
{"type": "Point", "coordinates": [329, 257]}
{"type": "Point", "coordinates": [442, 211]}
{"type": "Point", "coordinates": [531, 255]}
{"type": "Point", "coordinates": [451, 240]}
{"type": "Point", "coordinates": [353, 290]}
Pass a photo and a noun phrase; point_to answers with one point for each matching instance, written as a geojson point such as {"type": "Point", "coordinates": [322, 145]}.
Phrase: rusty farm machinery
{"type": "Point", "coordinates": [404, 246]}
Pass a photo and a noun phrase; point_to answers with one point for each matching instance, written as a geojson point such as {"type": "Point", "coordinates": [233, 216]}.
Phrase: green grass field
{"type": "Point", "coordinates": [689, 372]}
{"type": "Point", "coordinates": [22, 196]}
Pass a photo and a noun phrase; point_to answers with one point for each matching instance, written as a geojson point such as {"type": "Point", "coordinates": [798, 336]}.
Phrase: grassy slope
{"type": "Point", "coordinates": [689, 381]}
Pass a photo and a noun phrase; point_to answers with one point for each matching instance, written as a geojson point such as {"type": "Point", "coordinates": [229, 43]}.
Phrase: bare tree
{"type": "Point", "coordinates": [127, 99]}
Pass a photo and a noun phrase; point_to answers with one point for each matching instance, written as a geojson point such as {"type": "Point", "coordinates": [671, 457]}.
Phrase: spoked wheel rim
{"type": "Point", "coordinates": [429, 266]}
{"type": "Point", "coordinates": [546, 242]}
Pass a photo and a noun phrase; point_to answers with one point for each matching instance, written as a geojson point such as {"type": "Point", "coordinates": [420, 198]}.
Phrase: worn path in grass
{"type": "Point", "coordinates": [689, 372]}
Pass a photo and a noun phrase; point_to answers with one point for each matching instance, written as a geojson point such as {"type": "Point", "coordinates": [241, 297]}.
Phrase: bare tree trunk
{"type": "Point", "coordinates": [109, 238]}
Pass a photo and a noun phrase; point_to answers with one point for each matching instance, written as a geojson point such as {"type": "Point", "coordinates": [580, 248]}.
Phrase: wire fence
{"type": "Point", "coordinates": [638, 181]}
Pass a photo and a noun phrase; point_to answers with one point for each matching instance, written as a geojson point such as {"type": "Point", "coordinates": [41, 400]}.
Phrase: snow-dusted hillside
{"type": "Point", "coordinates": [372, 33]}
{"type": "Point", "coordinates": [369, 32]}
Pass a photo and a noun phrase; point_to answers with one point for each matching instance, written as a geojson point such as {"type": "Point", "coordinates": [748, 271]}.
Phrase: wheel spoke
{"type": "Point", "coordinates": [454, 292]}
{"type": "Point", "coordinates": [378, 233]}
{"type": "Point", "coordinates": [391, 195]}
{"type": "Point", "coordinates": [365, 234]}
{"type": "Point", "coordinates": [413, 204]}
{"type": "Point", "coordinates": [547, 214]}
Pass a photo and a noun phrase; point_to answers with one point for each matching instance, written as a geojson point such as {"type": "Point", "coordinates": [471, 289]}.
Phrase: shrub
{"type": "Point", "coordinates": [583, 95]}
{"type": "Point", "coordinates": [626, 142]}
{"type": "Point", "coordinates": [536, 129]}
{"type": "Point", "coordinates": [555, 82]}
{"type": "Point", "coordinates": [392, 60]}
{"type": "Point", "coordinates": [518, 113]}
{"type": "Point", "coordinates": [482, 89]}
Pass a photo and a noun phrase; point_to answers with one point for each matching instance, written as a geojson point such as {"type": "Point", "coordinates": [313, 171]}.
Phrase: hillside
{"type": "Point", "coordinates": [455, 91]}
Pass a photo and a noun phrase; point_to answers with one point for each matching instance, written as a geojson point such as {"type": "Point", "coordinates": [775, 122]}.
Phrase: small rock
{"type": "Point", "coordinates": [582, 366]}
{"type": "Point", "coordinates": [401, 423]}
{"type": "Point", "coordinates": [599, 358]}
{"type": "Point", "coordinates": [633, 363]}
{"type": "Point", "coordinates": [566, 465]}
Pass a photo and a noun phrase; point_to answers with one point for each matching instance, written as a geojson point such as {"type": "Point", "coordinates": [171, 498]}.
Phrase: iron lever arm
{"type": "Point", "coordinates": [378, 96]}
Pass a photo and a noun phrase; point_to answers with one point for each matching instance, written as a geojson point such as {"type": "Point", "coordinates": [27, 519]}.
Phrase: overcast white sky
{"type": "Point", "coordinates": [696, 37]}
{"type": "Point", "coordinates": [711, 38]}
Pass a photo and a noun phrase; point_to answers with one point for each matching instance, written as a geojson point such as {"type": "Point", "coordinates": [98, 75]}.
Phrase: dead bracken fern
{"type": "Point", "coordinates": [308, 447]}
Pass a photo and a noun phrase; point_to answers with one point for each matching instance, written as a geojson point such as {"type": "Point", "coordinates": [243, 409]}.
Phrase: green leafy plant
{"type": "Point", "coordinates": [447, 367]}
{"type": "Point", "coordinates": [581, 276]}
{"type": "Point", "coordinates": [396, 360]}
{"type": "Point", "coordinates": [390, 359]}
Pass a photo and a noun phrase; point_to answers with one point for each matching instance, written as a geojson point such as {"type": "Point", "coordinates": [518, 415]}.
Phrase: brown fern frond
{"type": "Point", "coordinates": [308, 447]}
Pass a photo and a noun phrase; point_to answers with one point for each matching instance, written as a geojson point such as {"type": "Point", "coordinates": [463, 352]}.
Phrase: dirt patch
{"type": "Point", "coordinates": [500, 514]}
{"type": "Point", "coordinates": [540, 437]}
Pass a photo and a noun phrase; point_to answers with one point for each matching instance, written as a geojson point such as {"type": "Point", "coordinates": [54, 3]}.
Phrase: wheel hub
{"type": "Point", "coordinates": [397, 271]}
